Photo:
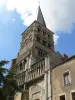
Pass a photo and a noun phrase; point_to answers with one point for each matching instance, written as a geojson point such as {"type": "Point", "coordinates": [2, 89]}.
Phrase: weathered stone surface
{"type": "Point", "coordinates": [58, 87]}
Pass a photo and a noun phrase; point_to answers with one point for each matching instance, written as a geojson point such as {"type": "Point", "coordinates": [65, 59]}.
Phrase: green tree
{"type": "Point", "coordinates": [8, 83]}
{"type": "Point", "coordinates": [2, 71]}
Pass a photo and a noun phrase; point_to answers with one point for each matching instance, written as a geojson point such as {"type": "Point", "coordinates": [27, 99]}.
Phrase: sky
{"type": "Point", "coordinates": [17, 15]}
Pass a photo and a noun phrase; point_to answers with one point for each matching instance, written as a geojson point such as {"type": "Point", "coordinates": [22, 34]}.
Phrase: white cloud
{"type": "Point", "coordinates": [26, 8]}
{"type": "Point", "coordinates": [1, 2]}
{"type": "Point", "coordinates": [58, 14]}
{"type": "Point", "coordinates": [56, 37]}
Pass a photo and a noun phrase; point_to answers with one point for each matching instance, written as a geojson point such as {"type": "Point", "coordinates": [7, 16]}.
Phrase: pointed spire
{"type": "Point", "coordinates": [40, 17]}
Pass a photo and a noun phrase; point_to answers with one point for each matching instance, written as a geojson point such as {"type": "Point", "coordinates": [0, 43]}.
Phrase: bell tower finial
{"type": "Point", "coordinates": [40, 17]}
{"type": "Point", "coordinates": [39, 2]}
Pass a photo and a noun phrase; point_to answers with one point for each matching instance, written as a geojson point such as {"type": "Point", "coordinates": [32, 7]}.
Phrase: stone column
{"type": "Point", "coordinates": [24, 86]}
{"type": "Point", "coordinates": [26, 64]}
{"type": "Point", "coordinates": [29, 61]}
{"type": "Point", "coordinates": [23, 65]}
{"type": "Point", "coordinates": [47, 62]}
{"type": "Point", "coordinates": [25, 61]}
{"type": "Point", "coordinates": [46, 85]}
{"type": "Point", "coordinates": [49, 84]}
{"type": "Point", "coordinates": [47, 78]}
{"type": "Point", "coordinates": [18, 68]}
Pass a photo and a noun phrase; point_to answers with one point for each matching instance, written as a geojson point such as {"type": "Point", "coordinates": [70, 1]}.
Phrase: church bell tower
{"type": "Point", "coordinates": [31, 63]}
{"type": "Point", "coordinates": [37, 41]}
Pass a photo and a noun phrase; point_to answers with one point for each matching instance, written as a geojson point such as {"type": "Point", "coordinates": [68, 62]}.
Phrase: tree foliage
{"type": "Point", "coordinates": [8, 83]}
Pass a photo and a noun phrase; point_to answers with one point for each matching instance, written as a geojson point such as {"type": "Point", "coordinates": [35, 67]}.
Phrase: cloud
{"type": "Point", "coordinates": [58, 14]}
{"type": "Point", "coordinates": [26, 8]}
{"type": "Point", "coordinates": [56, 37]}
{"type": "Point", "coordinates": [1, 2]}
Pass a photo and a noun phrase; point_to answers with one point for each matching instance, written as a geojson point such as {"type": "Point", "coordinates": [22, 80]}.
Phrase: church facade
{"type": "Point", "coordinates": [39, 67]}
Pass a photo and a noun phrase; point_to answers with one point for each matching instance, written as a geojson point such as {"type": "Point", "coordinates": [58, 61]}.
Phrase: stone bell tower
{"type": "Point", "coordinates": [37, 41]}
{"type": "Point", "coordinates": [33, 63]}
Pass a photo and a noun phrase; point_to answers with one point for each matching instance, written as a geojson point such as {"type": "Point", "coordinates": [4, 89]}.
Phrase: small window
{"type": "Point", "coordinates": [38, 39]}
{"type": "Point", "coordinates": [66, 78]}
{"type": "Point", "coordinates": [21, 66]}
{"type": "Point", "coordinates": [25, 60]}
{"type": "Point", "coordinates": [39, 29]}
{"type": "Point", "coordinates": [22, 87]}
{"type": "Point", "coordinates": [44, 33]}
{"type": "Point", "coordinates": [62, 97]}
{"type": "Point", "coordinates": [48, 36]}
{"type": "Point", "coordinates": [44, 42]}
